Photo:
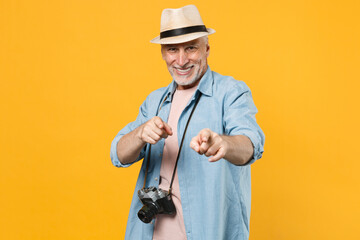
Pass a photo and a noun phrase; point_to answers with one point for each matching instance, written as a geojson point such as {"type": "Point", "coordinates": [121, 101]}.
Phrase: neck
{"type": "Point", "coordinates": [184, 87]}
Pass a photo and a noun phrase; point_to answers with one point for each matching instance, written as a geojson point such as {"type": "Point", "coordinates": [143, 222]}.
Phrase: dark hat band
{"type": "Point", "coordinates": [182, 31]}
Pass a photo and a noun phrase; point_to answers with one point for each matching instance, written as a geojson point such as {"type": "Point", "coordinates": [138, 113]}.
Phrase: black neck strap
{"type": "Point", "coordinates": [180, 147]}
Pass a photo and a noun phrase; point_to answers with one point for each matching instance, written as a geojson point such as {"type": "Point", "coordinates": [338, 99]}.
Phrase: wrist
{"type": "Point", "coordinates": [138, 135]}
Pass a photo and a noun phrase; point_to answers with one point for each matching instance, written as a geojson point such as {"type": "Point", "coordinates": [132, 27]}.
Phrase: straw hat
{"type": "Point", "coordinates": [181, 25]}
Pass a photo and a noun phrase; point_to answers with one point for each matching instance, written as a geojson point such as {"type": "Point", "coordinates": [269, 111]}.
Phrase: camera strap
{"type": "Point", "coordinates": [180, 147]}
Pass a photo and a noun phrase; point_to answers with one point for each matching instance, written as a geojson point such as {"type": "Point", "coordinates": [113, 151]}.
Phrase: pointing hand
{"type": "Point", "coordinates": [209, 143]}
{"type": "Point", "coordinates": [154, 130]}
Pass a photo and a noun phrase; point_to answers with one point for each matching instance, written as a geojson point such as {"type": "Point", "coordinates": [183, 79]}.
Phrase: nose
{"type": "Point", "coordinates": [182, 58]}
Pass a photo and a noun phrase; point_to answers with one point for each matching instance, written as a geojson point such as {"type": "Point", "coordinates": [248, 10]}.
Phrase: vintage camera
{"type": "Point", "coordinates": [156, 201]}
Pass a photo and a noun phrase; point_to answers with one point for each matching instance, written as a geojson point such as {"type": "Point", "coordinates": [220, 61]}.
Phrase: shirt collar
{"type": "Point", "coordinates": [205, 85]}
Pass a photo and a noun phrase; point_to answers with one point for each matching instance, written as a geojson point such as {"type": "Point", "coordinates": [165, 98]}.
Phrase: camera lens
{"type": "Point", "coordinates": [147, 213]}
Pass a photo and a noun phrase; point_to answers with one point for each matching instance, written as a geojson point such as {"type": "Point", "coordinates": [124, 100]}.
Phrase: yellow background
{"type": "Point", "coordinates": [74, 72]}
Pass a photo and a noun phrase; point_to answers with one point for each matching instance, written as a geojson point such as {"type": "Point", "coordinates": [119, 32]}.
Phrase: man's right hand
{"type": "Point", "coordinates": [154, 130]}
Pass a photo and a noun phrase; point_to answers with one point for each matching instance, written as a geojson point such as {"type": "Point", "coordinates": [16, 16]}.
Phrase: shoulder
{"type": "Point", "coordinates": [228, 84]}
{"type": "Point", "coordinates": [153, 100]}
{"type": "Point", "coordinates": [157, 94]}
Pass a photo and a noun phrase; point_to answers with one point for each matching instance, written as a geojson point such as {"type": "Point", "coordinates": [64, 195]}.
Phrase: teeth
{"type": "Point", "coordinates": [183, 70]}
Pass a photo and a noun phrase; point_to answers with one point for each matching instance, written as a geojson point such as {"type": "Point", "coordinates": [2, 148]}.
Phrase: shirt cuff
{"type": "Point", "coordinates": [113, 153]}
{"type": "Point", "coordinates": [258, 147]}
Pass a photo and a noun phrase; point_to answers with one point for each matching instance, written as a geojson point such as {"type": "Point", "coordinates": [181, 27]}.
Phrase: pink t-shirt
{"type": "Point", "coordinates": [172, 226]}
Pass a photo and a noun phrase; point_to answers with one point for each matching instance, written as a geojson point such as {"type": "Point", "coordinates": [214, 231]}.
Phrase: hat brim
{"type": "Point", "coordinates": [182, 38]}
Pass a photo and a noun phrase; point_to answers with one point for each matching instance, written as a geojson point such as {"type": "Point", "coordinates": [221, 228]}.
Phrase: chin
{"type": "Point", "coordinates": [183, 82]}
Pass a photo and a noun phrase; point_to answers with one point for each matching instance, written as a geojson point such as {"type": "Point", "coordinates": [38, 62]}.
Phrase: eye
{"type": "Point", "coordinates": [172, 49]}
{"type": "Point", "coordinates": [191, 48]}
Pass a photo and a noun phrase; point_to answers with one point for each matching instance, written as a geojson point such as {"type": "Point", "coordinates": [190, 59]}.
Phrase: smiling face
{"type": "Point", "coordinates": [186, 62]}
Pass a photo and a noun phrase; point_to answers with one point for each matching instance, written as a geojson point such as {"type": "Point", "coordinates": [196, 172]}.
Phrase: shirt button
{"type": "Point", "coordinates": [156, 179]}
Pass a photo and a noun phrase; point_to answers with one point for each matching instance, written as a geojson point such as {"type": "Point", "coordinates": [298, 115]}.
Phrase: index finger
{"type": "Point", "coordinates": [158, 122]}
{"type": "Point", "coordinates": [167, 128]}
{"type": "Point", "coordinates": [194, 144]}
{"type": "Point", "coordinates": [205, 135]}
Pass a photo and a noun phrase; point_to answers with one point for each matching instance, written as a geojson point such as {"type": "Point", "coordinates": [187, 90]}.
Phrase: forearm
{"type": "Point", "coordinates": [240, 149]}
{"type": "Point", "coordinates": [129, 146]}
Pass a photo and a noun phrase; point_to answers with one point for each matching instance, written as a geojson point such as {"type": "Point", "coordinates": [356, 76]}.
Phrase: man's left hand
{"type": "Point", "coordinates": [211, 144]}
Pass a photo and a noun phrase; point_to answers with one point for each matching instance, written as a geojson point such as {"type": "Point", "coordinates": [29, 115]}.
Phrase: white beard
{"type": "Point", "coordinates": [182, 80]}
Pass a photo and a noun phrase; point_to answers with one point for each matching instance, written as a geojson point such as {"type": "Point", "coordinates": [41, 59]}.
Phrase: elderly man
{"type": "Point", "coordinates": [198, 137]}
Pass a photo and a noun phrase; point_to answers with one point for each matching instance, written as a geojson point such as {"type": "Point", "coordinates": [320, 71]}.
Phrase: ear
{"type": "Point", "coordinates": [207, 50]}
{"type": "Point", "coordinates": [162, 52]}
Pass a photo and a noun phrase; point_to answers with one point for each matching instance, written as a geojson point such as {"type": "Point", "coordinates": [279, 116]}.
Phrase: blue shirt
{"type": "Point", "coordinates": [215, 197]}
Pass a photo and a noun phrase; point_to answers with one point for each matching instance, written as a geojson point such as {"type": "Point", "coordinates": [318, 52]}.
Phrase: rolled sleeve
{"type": "Point", "coordinates": [239, 118]}
{"type": "Point", "coordinates": [141, 118]}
